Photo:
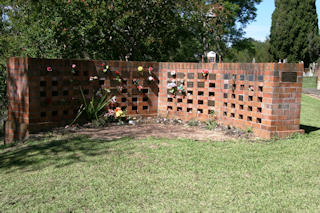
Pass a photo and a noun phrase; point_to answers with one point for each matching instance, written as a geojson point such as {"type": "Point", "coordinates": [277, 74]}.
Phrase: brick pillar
{"type": "Point", "coordinates": [16, 127]}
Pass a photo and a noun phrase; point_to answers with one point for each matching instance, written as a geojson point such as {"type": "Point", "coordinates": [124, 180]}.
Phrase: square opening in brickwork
{"type": "Point", "coordinates": [86, 73]}
{"type": "Point", "coordinates": [200, 84]}
{"type": "Point", "coordinates": [225, 95]}
{"type": "Point", "coordinates": [226, 86]}
{"type": "Point", "coordinates": [179, 100]}
{"type": "Point", "coordinates": [43, 94]}
{"type": "Point", "coordinates": [200, 101]}
{"type": "Point", "coordinates": [179, 109]}
{"type": "Point", "coordinates": [200, 111]}
{"type": "Point", "coordinates": [190, 84]}
{"type": "Point", "coordinates": [212, 85]}
{"type": "Point", "coordinates": [211, 103]}
{"type": "Point", "coordinates": [54, 83]}
{"type": "Point", "coordinates": [123, 100]}
{"type": "Point", "coordinates": [260, 88]}
{"type": "Point", "coordinates": [125, 82]}
{"type": "Point", "coordinates": [180, 75]}
{"type": "Point", "coordinates": [200, 76]}
{"type": "Point", "coordinates": [250, 98]}
{"type": "Point", "coordinates": [233, 106]}
{"type": "Point", "coordinates": [233, 86]}
{"type": "Point", "coordinates": [43, 114]}
{"type": "Point", "coordinates": [190, 75]}
{"type": "Point", "coordinates": [65, 92]}
{"type": "Point", "coordinates": [225, 114]}
{"type": "Point", "coordinates": [241, 87]}
{"type": "Point", "coordinates": [190, 92]}
{"type": "Point", "coordinates": [240, 97]}
{"type": "Point", "coordinates": [54, 113]}
{"type": "Point", "coordinates": [226, 76]}
{"type": "Point", "coordinates": [241, 117]}
{"type": "Point", "coordinates": [145, 107]}
{"type": "Point", "coordinates": [250, 108]}
{"type": "Point", "coordinates": [242, 77]}
{"type": "Point", "coordinates": [169, 108]}
{"type": "Point", "coordinates": [249, 118]}
{"type": "Point", "coordinates": [251, 77]}
{"type": "Point", "coordinates": [134, 99]}
{"type": "Point", "coordinates": [55, 93]}
{"type": "Point", "coordinates": [211, 112]}
{"type": "Point", "coordinates": [211, 94]}
{"type": "Point", "coordinates": [146, 99]}
{"type": "Point", "coordinates": [123, 108]}
{"type": "Point", "coordinates": [232, 115]}
{"type": "Point", "coordinates": [259, 121]}
{"type": "Point", "coordinates": [101, 82]}
{"type": "Point", "coordinates": [189, 101]}
{"type": "Point", "coordinates": [65, 112]}
{"type": "Point", "coordinates": [241, 107]}
{"type": "Point", "coordinates": [200, 93]}
{"type": "Point", "coordinates": [212, 76]}
{"type": "Point", "coordinates": [43, 83]}
{"type": "Point", "coordinates": [145, 90]}
{"type": "Point", "coordinates": [225, 104]}
{"type": "Point", "coordinates": [233, 96]}
{"type": "Point", "coordinates": [134, 107]}
{"type": "Point", "coordinates": [124, 91]}
{"type": "Point", "coordinates": [189, 109]}
{"type": "Point", "coordinates": [260, 78]}
{"type": "Point", "coordinates": [260, 99]}
{"type": "Point", "coordinates": [259, 109]}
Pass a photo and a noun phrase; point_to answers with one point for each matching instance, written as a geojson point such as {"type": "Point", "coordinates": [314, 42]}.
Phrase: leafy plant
{"type": "Point", "coordinates": [95, 107]}
{"type": "Point", "coordinates": [211, 124]}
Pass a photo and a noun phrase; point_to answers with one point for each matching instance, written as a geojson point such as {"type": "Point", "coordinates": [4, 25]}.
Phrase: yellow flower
{"type": "Point", "coordinates": [119, 112]}
{"type": "Point", "coordinates": [140, 68]}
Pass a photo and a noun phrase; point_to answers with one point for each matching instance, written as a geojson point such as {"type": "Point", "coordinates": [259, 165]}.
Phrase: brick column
{"type": "Point", "coordinates": [18, 98]}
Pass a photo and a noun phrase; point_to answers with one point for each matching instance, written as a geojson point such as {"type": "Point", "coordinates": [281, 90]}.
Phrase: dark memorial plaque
{"type": "Point", "coordinates": [289, 77]}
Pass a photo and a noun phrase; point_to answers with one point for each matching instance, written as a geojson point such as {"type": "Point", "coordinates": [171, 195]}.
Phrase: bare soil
{"type": "Point", "coordinates": [311, 92]}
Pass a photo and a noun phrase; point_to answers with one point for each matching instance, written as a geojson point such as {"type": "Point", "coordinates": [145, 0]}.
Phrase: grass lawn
{"type": "Point", "coordinates": [157, 175]}
{"type": "Point", "coordinates": [309, 82]}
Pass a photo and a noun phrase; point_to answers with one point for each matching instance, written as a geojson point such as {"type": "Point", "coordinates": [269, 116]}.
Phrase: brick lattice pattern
{"type": "Point", "coordinates": [266, 97]}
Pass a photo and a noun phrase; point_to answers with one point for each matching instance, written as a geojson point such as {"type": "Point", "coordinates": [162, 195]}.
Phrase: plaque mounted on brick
{"type": "Point", "coordinates": [289, 77]}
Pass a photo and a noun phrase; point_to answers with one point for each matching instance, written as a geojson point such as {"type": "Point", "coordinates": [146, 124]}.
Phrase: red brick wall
{"type": "Point", "coordinates": [40, 100]}
{"type": "Point", "coordinates": [240, 95]}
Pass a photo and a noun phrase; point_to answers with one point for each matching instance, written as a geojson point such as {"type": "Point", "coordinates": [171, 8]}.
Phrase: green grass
{"type": "Point", "coordinates": [76, 174]}
{"type": "Point", "coordinates": [309, 82]}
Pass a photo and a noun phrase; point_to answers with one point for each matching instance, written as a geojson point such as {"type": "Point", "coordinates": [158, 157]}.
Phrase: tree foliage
{"type": "Point", "coordinates": [294, 31]}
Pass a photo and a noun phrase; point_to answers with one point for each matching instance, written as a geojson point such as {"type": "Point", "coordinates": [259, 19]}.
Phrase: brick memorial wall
{"type": "Point", "coordinates": [45, 93]}
{"type": "Point", "coordinates": [266, 97]}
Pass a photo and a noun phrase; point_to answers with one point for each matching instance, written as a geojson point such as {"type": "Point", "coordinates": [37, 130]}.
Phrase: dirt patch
{"type": "Point", "coordinates": [312, 93]}
{"type": "Point", "coordinates": [159, 130]}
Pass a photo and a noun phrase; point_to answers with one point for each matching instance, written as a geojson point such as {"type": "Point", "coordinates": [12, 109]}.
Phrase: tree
{"type": "Point", "coordinates": [294, 31]}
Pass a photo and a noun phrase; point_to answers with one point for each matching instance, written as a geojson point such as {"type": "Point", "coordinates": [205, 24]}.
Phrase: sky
{"type": "Point", "coordinates": [260, 28]}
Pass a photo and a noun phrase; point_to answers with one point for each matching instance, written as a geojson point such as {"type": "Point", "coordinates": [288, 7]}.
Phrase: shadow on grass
{"type": "Point", "coordinates": [309, 129]}
{"type": "Point", "coordinates": [40, 153]}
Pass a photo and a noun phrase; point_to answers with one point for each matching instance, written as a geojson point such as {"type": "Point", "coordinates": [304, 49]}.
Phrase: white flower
{"type": "Point", "coordinates": [150, 78]}
{"type": "Point", "coordinates": [171, 85]}
{"type": "Point", "coordinates": [114, 99]}
{"type": "Point", "coordinates": [173, 73]}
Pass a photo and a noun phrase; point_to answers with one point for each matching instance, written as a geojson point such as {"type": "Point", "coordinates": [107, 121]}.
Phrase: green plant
{"type": "Point", "coordinates": [250, 130]}
{"type": "Point", "coordinates": [211, 124]}
{"type": "Point", "coordinates": [95, 107]}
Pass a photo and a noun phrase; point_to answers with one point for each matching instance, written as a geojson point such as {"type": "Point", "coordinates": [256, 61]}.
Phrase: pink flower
{"type": "Point", "coordinates": [23, 49]}
{"type": "Point", "coordinates": [205, 71]}
{"type": "Point", "coordinates": [150, 69]}
{"type": "Point", "coordinates": [117, 72]}
{"type": "Point", "coordinates": [139, 87]}
{"type": "Point", "coordinates": [49, 69]}
{"type": "Point", "coordinates": [73, 66]}
{"type": "Point", "coordinates": [103, 64]}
